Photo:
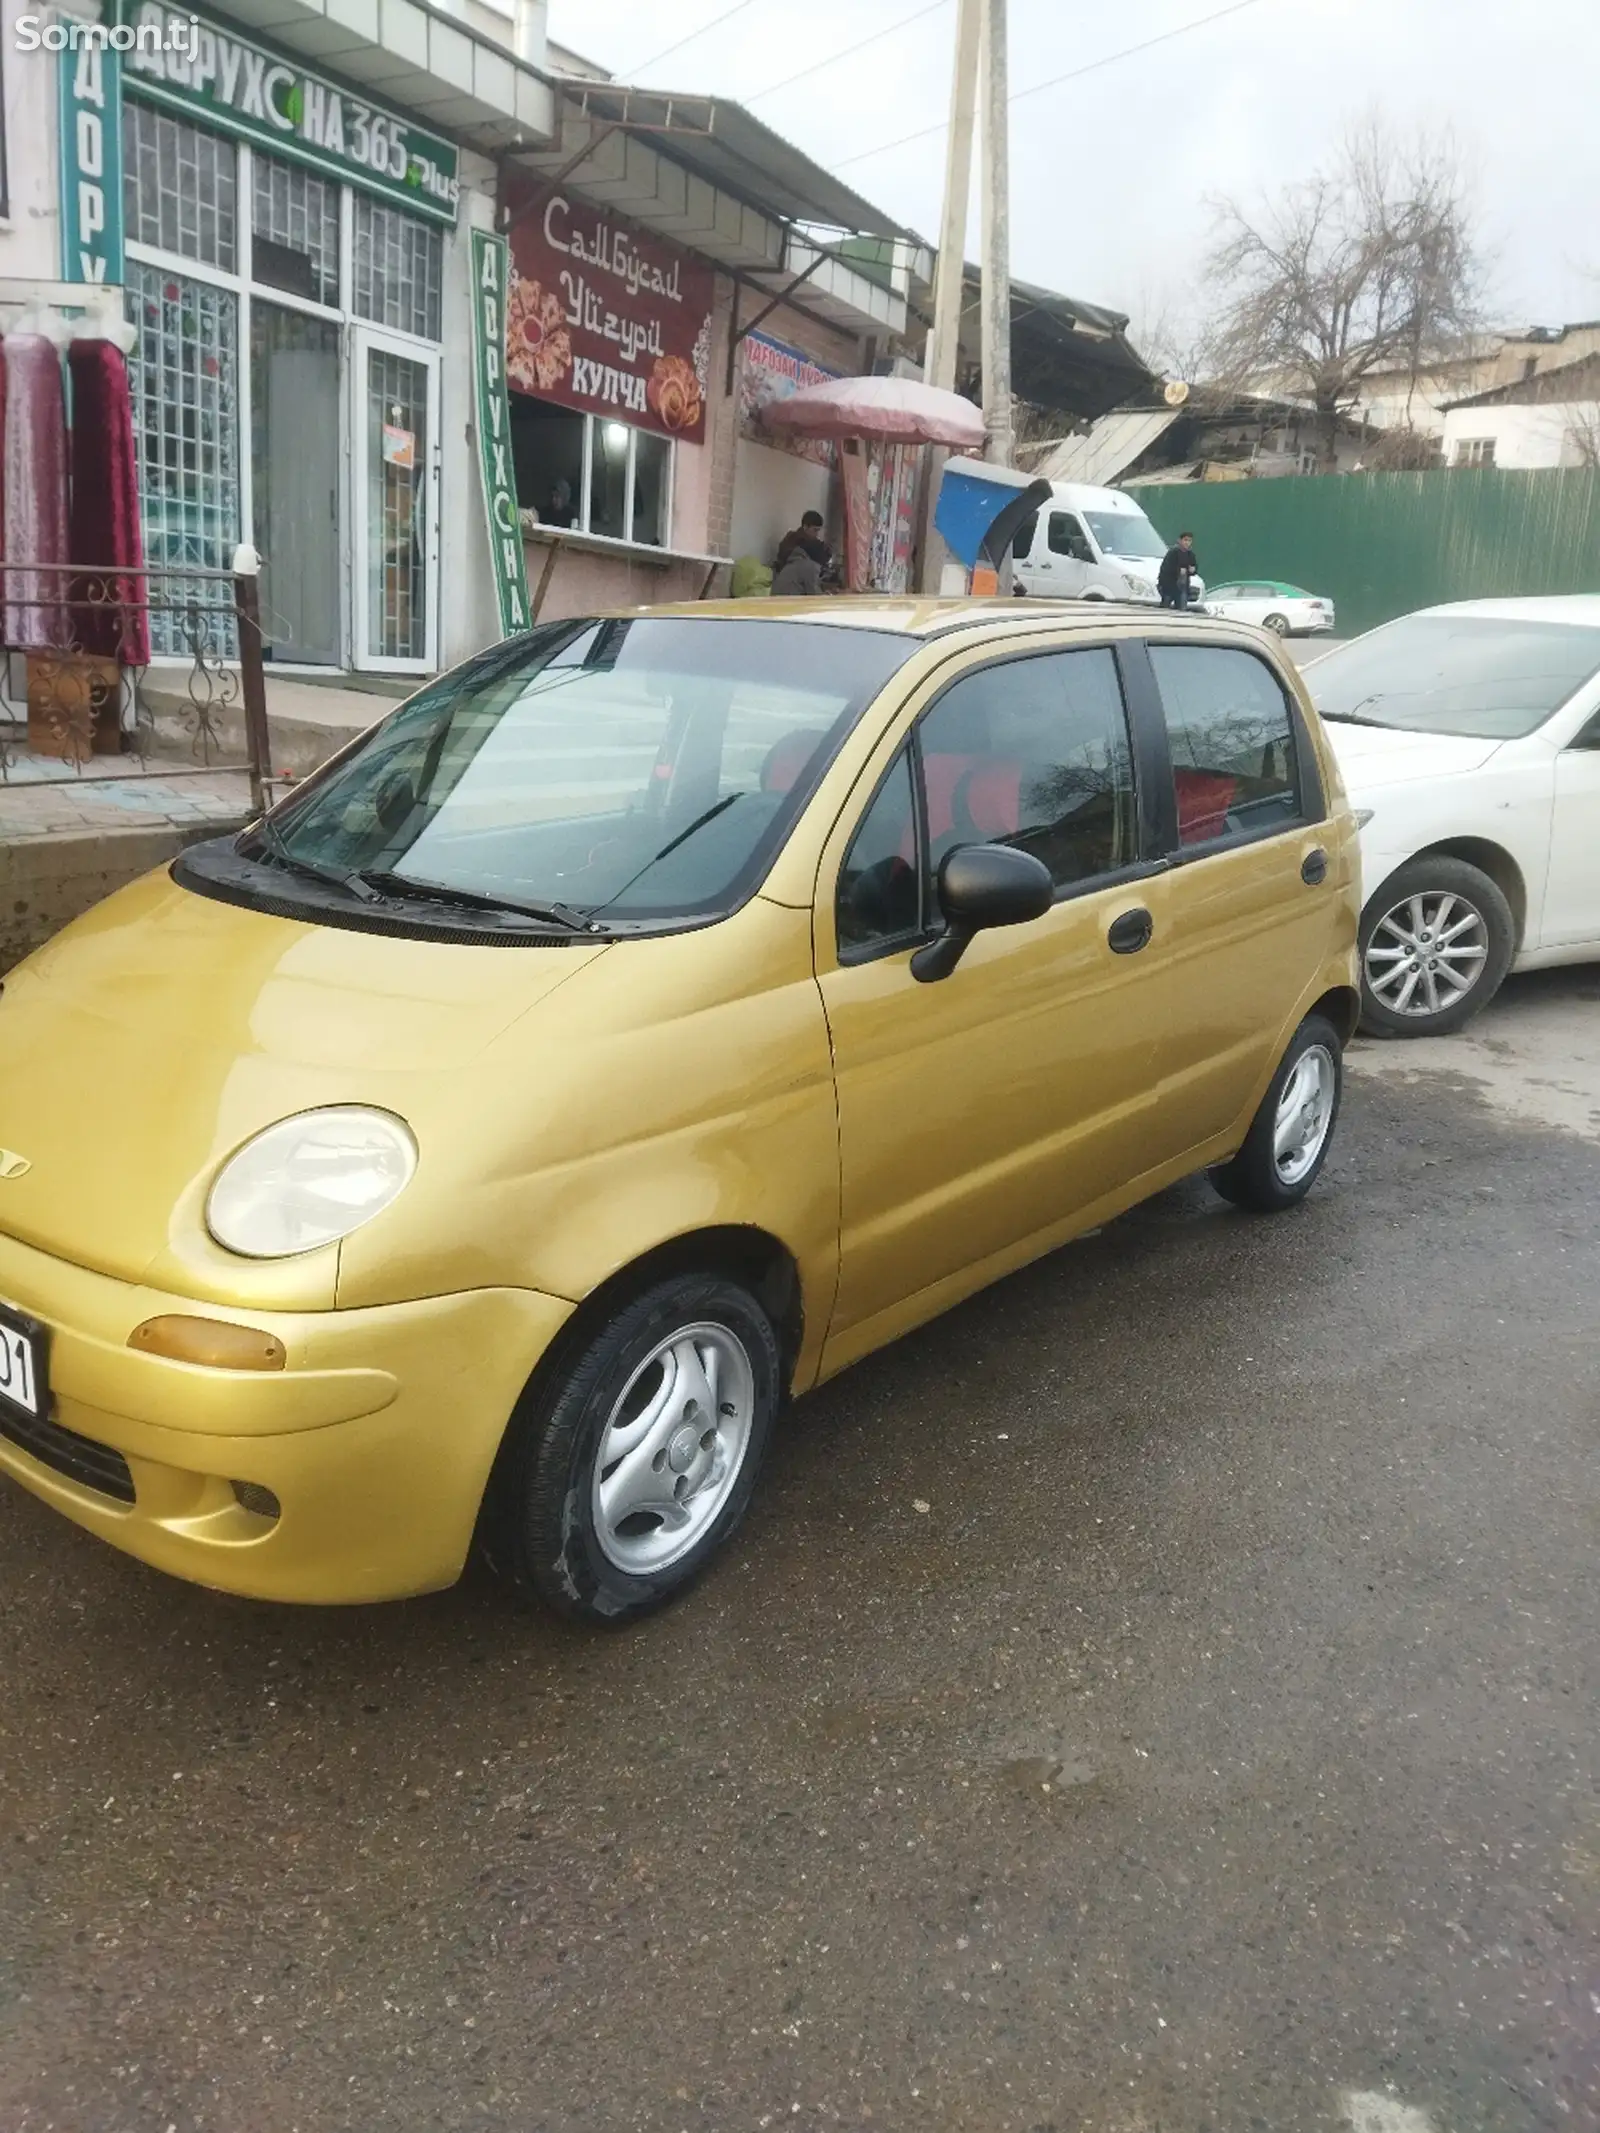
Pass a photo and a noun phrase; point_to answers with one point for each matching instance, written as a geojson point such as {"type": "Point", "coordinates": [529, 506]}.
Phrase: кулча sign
{"type": "Point", "coordinates": [608, 319]}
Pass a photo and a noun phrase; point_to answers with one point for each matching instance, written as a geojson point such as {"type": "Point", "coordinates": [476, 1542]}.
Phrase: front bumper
{"type": "Point", "coordinates": [376, 1439]}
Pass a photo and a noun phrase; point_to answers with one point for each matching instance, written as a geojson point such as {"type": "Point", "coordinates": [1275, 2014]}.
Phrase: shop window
{"type": "Point", "coordinates": [608, 478]}
{"type": "Point", "coordinates": [295, 230]}
{"type": "Point", "coordinates": [547, 457]}
{"type": "Point", "coordinates": [179, 187]}
{"type": "Point", "coordinates": [652, 465]}
{"type": "Point", "coordinates": [399, 268]}
{"type": "Point", "coordinates": [396, 409]}
{"type": "Point", "coordinates": [591, 474]}
{"type": "Point", "coordinates": [184, 375]}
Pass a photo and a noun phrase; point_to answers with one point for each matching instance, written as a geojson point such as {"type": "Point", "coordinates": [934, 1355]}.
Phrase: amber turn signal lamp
{"type": "Point", "coordinates": [210, 1341]}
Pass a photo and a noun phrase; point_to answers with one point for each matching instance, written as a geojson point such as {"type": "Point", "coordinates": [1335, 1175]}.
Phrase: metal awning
{"type": "Point", "coordinates": [722, 143]}
{"type": "Point", "coordinates": [417, 57]}
{"type": "Point", "coordinates": [703, 173]}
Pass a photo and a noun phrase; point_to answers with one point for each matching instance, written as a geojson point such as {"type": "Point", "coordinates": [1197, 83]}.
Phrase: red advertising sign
{"type": "Point", "coordinates": [604, 318]}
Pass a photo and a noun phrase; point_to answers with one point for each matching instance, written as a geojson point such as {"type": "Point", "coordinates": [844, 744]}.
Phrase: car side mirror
{"type": "Point", "coordinates": [982, 885]}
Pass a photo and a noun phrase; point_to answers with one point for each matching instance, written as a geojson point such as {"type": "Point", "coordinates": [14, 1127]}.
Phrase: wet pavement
{"type": "Point", "coordinates": [1159, 1697]}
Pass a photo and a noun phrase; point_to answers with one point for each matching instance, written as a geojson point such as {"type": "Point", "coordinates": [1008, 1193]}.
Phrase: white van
{"type": "Point", "coordinates": [1090, 544]}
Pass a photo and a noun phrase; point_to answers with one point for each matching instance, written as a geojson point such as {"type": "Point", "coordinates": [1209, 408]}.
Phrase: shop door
{"type": "Point", "coordinates": [395, 424]}
{"type": "Point", "coordinates": [295, 466]}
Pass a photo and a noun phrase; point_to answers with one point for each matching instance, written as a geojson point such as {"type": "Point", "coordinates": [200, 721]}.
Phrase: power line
{"type": "Point", "coordinates": [1182, 29]}
{"type": "Point", "coordinates": [715, 23]}
{"type": "Point", "coordinates": [849, 52]}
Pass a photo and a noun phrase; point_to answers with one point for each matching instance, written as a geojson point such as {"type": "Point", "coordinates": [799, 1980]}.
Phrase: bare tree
{"type": "Point", "coordinates": [1369, 264]}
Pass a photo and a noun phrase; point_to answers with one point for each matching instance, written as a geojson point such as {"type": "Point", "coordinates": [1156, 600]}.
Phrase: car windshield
{"type": "Point", "coordinates": [1126, 533]}
{"type": "Point", "coordinates": [1487, 676]}
{"type": "Point", "coordinates": [637, 769]}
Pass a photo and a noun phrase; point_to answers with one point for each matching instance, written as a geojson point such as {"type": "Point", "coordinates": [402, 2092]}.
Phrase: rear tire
{"type": "Point", "coordinates": [1278, 624]}
{"type": "Point", "coordinates": [1442, 929]}
{"type": "Point", "coordinates": [620, 1480]}
{"type": "Point", "coordinates": [1292, 1131]}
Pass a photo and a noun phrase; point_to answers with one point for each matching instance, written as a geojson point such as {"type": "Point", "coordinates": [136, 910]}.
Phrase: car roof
{"type": "Point", "coordinates": [912, 616]}
{"type": "Point", "coordinates": [1581, 610]}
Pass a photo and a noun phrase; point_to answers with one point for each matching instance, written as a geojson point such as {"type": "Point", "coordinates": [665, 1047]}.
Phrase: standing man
{"type": "Point", "coordinates": [1178, 566]}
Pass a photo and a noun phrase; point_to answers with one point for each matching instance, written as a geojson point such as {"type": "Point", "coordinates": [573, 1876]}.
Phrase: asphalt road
{"type": "Point", "coordinates": [1160, 1697]}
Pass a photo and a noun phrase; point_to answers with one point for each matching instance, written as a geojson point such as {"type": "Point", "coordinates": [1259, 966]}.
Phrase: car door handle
{"type": "Point", "coordinates": [1314, 866]}
{"type": "Point", "coordinates": [1130, 931]}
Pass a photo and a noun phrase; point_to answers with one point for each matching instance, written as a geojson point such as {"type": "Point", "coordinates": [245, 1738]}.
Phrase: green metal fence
{"type": "Point", "coordinates": [1380, 545]}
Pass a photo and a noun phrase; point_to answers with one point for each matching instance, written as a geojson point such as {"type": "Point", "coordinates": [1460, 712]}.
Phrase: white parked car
{"type": "Point", "coordinates": [1271, 605]}
{"type": "Point", "coordinates": [1469, 739]}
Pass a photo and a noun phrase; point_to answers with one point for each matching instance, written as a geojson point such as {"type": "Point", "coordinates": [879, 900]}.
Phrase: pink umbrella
{"type": "Point", "coordinates": [899, 410]}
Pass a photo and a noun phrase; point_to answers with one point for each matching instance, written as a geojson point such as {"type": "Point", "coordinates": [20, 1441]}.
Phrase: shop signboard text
{"type": "Point", "coordinates": [91, 165]}
{"type": "Point", "coordinates": [492, 411]}
{"type": "Point", "coordinates": [227, 82]}
{"type": "Point", "coordinates": [607, 319]}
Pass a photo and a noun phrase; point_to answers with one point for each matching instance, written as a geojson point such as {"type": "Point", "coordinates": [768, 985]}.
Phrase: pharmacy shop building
{"type": "Point", "coordinates": [285, 254]}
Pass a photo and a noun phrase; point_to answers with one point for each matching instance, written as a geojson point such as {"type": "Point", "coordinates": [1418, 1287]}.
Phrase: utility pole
{"type": "Point", "coordinates": [940, 368]}
{"type": "Point", "coordinates": [996, 262]}
{"type": "Point", "coordinates": [939, 365]}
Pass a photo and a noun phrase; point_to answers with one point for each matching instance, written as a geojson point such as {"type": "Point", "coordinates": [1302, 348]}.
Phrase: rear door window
{"type": "Point", "coordinates": [1236, 769]}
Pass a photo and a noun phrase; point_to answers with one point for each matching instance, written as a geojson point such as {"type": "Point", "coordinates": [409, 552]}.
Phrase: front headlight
{"type": "Point", "coordinates": [1363, 817]}
{"type": "Point", "coordinates": [1135, 585]}
{"type": "Point", "coordinates": [310, 1180]}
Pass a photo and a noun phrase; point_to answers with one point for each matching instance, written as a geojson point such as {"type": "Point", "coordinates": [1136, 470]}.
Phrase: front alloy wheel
{"type": "Point", "coordinates": [1436, 942]}
{"type": "Point", "coordinates": [1426, 954]}
{"type": "Point", "coordinates": [673, 1449]}
{"type": "Point", "coordinates": [631, 1459]}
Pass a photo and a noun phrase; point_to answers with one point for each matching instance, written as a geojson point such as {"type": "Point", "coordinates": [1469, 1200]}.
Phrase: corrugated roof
{"type": "Point", "coordinates": [1112, 445]}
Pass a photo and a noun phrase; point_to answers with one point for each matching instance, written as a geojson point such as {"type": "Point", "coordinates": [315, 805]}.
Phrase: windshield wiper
{"type": "Point", "coordinates": [277, 846]}
{"type": "Point", "coordinates": [1353, 717]}
{"type": "Point", "coordinates": [554, 914]}
{"type": "Point", "coordinates": [672, 844]}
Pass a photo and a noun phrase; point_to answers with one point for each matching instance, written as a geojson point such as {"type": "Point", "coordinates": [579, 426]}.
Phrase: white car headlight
{"type": "Point", "coordinates": [1135, 585]}
{"type": "Point", "coordinates": [309, 1180]}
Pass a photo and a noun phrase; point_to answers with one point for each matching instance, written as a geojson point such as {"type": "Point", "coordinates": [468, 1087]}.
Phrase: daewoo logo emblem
{"type": "Point", "coordinates": [13, 1165]}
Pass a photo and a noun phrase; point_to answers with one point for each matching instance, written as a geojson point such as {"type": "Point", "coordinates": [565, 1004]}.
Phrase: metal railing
{"type": "Point", "coordinates": [89, 703]}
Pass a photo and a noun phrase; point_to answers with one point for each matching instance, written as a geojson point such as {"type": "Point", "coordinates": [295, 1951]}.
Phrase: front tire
{"type": "Point", "coordinates": [619, 1481]}
{"type": "Point", "coordinates": [1436, 943]}
{"type": "Point", "coordinates": [1290, 1135]}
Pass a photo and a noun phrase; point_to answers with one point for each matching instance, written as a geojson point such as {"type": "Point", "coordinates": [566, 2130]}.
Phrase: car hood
{"type": "Point", "coordinates": [162, 1029]}
{"type": "Point", "coordinates": [1370, 756]}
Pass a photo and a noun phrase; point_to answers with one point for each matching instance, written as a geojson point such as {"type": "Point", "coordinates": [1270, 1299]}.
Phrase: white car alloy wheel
{"type": "Point", "coordinates": [1305, 1114]}
{"type": "Point", "coordinates": [1426, 953]}
{"type": "Point", "coordinates": [672, 1449]}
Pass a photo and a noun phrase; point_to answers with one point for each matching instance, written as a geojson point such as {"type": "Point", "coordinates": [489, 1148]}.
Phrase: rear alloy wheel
{"type": "Point", "coordinates": [1290, 1134]}
{"type": "Point", "coordinates": [618, 1483]}
{"type": "Point", "coordinates": [1436, 943]}
{"type": "Point", "coordinates": [1278, 624]}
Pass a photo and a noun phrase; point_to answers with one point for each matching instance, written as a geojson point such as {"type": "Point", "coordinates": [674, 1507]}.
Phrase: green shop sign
{"type": "Point", "coordinates": [492, 408]}
{"type": "Point", "coordinates": [214, 75]}
{"type": "Point", "coordinates": [90, 112]}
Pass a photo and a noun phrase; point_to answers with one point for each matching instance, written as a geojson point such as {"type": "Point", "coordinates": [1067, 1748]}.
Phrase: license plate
{"type": "Point", "coordinates": [22, 1364]}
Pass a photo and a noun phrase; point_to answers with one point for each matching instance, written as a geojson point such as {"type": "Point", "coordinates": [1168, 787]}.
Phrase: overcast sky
{"type": "Point", "coordinates": [1112, 173]}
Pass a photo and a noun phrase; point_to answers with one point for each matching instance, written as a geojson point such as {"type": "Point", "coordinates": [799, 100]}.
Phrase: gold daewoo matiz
{"type": "Point", "coordinates": [642, 1023]}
